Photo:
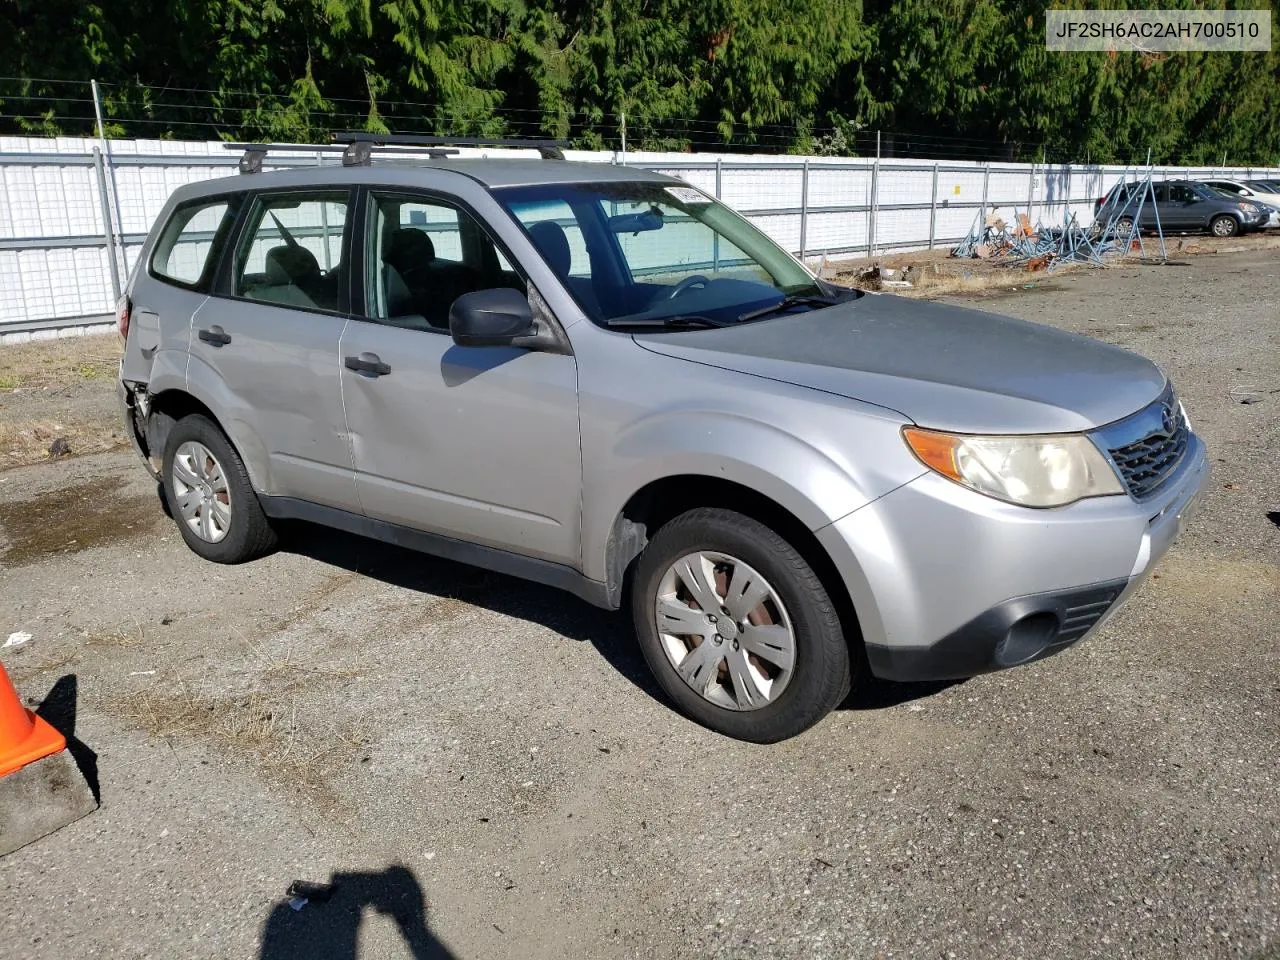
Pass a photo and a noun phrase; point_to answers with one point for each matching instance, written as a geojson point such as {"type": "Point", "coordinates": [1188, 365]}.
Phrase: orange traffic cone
{"type": "Point", "coordinates": [41, 787]}
{"type": "Point", "coordinates": [24, 737]}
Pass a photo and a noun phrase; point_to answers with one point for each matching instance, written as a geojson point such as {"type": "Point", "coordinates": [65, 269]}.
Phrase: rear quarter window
{"type": "Point", "coordinates": [184, 253]}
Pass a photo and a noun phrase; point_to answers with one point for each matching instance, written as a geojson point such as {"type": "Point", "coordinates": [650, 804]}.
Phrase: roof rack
{"type": "Point", "coordinates": [358, 139]}
{"type": "Point", "coordinates": [357, 147]}
{"type": "Point", "coordinates": [255, 153]}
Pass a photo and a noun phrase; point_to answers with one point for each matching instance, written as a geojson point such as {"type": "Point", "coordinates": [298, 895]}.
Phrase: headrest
{"type": "Point", "coordinates": [408, 248]}
{"type": "Point", "coordinates": [296, 265]}
{"type": "Point", "coordinates": [549, 237]}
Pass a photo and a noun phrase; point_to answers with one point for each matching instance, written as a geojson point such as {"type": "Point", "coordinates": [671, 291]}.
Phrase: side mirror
{"type": "Point", "coordinates": [491, 318]}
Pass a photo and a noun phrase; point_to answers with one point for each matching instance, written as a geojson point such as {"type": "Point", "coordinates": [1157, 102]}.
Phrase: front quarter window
{"type": "Point", "coordinates": [653, 250]}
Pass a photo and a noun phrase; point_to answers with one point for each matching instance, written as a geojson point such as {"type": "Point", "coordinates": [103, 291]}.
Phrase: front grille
{"type": "Point", "coordinates": [1161, 439]}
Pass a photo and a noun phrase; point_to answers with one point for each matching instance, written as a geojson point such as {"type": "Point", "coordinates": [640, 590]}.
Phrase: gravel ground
{"type": "Point", "coordinates": [488, 771]}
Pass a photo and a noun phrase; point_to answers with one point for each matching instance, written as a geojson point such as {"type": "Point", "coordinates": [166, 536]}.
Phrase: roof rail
{"type": "Point", "coordinates": [547, 149]}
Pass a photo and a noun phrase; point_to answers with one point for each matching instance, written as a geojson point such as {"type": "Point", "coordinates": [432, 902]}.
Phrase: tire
{"type": "Point", "coordinates": [797, 606]}
{"type": "Point", "coordinates": [1124, 226]}
{"type": "Point", "coordinates": [1224, 226]}
{"type": "Point", "coordinates": [201, 470]}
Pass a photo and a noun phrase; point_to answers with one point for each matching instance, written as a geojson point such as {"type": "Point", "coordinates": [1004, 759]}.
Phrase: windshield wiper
{"type": "Point", "coordinates": [786, 303]}
{"type": "Point", "coordinates": [676, 322]}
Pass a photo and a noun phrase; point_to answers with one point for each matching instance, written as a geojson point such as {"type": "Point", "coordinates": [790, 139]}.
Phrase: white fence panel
{"type": "Point", "coordinates": [55, 262]}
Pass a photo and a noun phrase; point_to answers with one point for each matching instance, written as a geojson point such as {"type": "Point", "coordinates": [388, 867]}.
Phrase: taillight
{"type": "Point", "coordinates": [1100, 201]}
{"type": "Point", "coordinates": [123, 308]}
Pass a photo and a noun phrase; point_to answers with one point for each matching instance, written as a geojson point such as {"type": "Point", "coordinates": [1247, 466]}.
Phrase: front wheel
{"type": "Point", "coordinates": [209, 495]}
{"type": "Point", "coordinates": [1224, 226]}
{"type": "Point", "coordinates": [737, 628]}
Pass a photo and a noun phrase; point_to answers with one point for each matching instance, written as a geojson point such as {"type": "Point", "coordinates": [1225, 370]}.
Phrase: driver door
{"type": "Point", "coordinates": [474, 443]}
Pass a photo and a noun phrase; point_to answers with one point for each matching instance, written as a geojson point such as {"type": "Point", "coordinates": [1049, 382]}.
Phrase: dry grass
{"type": "Point", "coordinates": [262, 726]}
{"type": "Point", "coordinates": [117, 638]}
{"type": "Point", "coordinates": [24, 441]}
{"type": "Point", "coordinates": [973, 283]}
{"type": "Point", "coordinates": [55, 389]}
{"type": "Point", "coordinates": [963, 278]}
{"type": "Point", "coordinates": [50, 363]}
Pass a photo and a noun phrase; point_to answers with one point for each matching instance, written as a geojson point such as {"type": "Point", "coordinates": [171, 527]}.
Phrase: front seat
{"type": "Point", "coordinates": [552, 242]}
{"type": "Point", "coordinates": [411, 252]}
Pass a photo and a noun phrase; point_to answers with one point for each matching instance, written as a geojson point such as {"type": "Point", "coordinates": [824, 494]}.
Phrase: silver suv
{"type": "Point", "coordinates": [602, 379]}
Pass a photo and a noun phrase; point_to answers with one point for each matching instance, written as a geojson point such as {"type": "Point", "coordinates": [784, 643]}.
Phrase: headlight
{"type": "Point", "coordinates": [1035, 471]}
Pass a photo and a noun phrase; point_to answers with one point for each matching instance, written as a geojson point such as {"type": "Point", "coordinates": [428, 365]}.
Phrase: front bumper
{"type": "Point", "coordinates": [948, 583]}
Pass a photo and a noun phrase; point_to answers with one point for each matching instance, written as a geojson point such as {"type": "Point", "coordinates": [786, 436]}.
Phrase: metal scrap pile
{"type": "Point", "coordinates": [1040, 247]}
{"type": "Point", "coordinates": [1044, 247]}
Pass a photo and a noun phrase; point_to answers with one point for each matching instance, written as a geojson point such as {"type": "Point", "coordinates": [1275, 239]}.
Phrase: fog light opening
{"type": "Point", "coordinates": [1027, 639]}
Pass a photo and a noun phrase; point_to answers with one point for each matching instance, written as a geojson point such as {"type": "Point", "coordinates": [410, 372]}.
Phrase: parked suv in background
{"type": "Point", "coordinates": [1182, 206]}
{"type": "Point", "coordinates": [602, 379]}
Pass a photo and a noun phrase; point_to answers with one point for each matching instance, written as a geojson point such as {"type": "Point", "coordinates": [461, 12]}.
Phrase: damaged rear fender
{"type": "Point", "coordinates": [151, 410]}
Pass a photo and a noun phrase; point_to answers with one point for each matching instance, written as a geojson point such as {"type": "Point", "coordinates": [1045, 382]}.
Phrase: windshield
{"type": "Point", "coordinates": [652, 252]}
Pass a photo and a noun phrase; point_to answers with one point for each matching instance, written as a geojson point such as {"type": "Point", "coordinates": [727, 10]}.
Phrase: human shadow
{"type": "Point", "coordinates": [58, 709]}
{"type": "Point", "coordinates": [330, 929]}
{"type": "Point", "coordinates": [610, 632]}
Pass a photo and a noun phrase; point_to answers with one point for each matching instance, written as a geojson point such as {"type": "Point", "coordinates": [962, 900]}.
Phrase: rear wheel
{"type": "Point", "coordinates": [737, 628]}
{"type": "Point", "coordinates": [1224, 226]}
{"type": "Point", "coordinates": [209, 496]}
{"type": "Point", "coordinates": [1124, 226]}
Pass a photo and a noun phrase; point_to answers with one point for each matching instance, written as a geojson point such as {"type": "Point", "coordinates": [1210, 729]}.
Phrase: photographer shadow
{"type": "Point", "coordinates": [330, 930]}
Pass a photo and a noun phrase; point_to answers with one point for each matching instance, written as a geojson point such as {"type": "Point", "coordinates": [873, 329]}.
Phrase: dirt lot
{"type": "Point", "coordinates": [58, 391]}
{"type": "Point", "coordinates": [491, 773]}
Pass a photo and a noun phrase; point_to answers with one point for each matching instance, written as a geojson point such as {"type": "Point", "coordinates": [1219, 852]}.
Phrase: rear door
{"type": "Point", "coordinates": [475, 443]}
{"type": "Point", "coordinates": [264, 348]}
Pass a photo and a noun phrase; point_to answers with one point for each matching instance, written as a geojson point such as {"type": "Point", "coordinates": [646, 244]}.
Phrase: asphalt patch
{"type": "Point", "coordinates": [71, 519]}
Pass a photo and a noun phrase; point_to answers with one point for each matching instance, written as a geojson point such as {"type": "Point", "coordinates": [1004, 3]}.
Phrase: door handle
{"type": "Point", "coordinates": [214, 336]}
{"type": "Point", "coordinates": [369, 364]}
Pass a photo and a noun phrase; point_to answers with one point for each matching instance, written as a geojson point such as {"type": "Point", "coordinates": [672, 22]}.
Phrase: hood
{"type": "Point", "coordinates": [941, 366]}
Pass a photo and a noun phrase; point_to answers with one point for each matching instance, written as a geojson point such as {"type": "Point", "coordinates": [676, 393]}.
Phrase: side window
{"type": "Point", "coordinates": [1159, 192]}
{"type": "Point", "coordinates": [422, 254]}
{"type": "Point", "coordinates": [291, 251]}
{"type": "Point", "coordinates": [1180, 194]}
{"type": "Point", "coordinates": [183, 252]}
{"type": "Point", "coordinates": [556, 233]}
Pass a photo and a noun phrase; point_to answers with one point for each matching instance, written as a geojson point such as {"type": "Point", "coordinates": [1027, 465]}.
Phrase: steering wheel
{"type": "Point", "coordinates": [688, 283]}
